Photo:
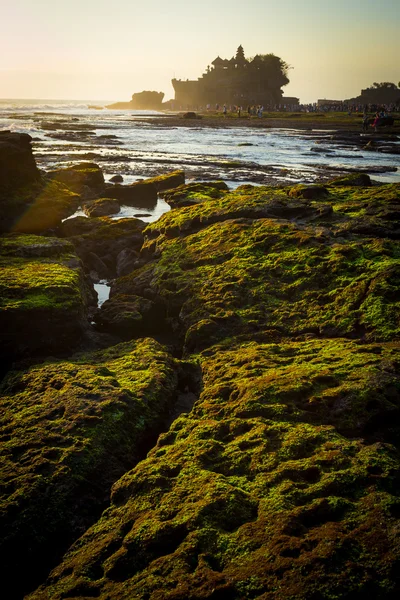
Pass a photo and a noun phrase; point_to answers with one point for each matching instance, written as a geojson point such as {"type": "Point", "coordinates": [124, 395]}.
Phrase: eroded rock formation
{"type": "Point", "coordinates": [276, 313]}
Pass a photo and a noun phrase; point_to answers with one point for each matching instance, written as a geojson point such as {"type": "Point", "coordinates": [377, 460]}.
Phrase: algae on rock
{"type": "Point", "coordinates": [70, 429]}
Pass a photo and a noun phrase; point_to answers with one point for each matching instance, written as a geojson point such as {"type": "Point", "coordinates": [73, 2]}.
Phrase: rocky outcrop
{"type": "Point", "coordinates": [104, 238]}
{"type": "Point", "coordinates": [44, 297]}
{"type": "Point", "coordinates": [101, 207]}
{"type": "Point", "coordinates": [79, 177]}
{"type": "Point", "coordinates": [145, 100]}
{"type": "Point", "coordinates": [27, 203]}
{"type": "Point", "coordinates": [282, 480]}
{"type": "Point", "coordinates": [142, 194]}
{"type": "Point", "coordinates": [77, 426]}
{"type": "Point", "coordinates": [17, 165]}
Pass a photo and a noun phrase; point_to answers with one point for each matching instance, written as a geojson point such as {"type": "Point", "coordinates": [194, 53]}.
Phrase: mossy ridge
{"type": "Point", "coordinates": [35, 283]}
{"type": "Point", "coordinates": [226, 205]}
{"type": "Point", "coordinates": [369, 211]}
{"type": "Point", "coordinates": [269, 273]}
{"type": "Point", "coordinates": [351, 386]}
{"type": "Point", "coordinates": [54, 202]}
{"type": "Point", "coordinates": [44, 297]}
{"type": "Point", "coordinates": [245, 503]}
{"type": "Point", "coordinates": [378, 204]}
{"type": "Point", "coordinates": [75, 424]}
{"type": "Point", "coordinates": [193, 193]}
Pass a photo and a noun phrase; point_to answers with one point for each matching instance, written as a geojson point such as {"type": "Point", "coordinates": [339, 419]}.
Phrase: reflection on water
{"type": "Point", "coordinates": [148, 215]}
{"type": "Point", "coordinates": [103, 292]}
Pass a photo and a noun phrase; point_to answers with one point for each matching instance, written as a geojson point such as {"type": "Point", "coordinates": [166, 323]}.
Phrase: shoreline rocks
{"type": "Point", "coordinates": [277, 318]}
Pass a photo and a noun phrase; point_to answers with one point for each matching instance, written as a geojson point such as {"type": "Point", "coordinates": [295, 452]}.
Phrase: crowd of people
{"type": "Point", "coordinates": [257, 110]}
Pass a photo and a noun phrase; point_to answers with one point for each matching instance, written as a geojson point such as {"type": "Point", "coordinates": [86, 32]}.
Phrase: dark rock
{"type": "Point", "coordinates": [190, 115]}
{"type": "Point", "coordinates": [358, 179]}
{"type": "Point", "coordinates": [77, 176]}
{"type": "Point", "coordinates": [101, 207]}
{"type": "Point", "coordinates": [95, 263]}
{"type": "Point", "coordinates": [142, 194]}
{"type": "Point", "coordinates": [126, 261]}
{"type": "Point", "coordinates": [310, 192]}
{"type": "Point", "coordinates": [129, 316]}
{"type": "Point", "coordinates": [117, 179]}
{"type": "Point", "coordinates": [103, 237]}
{"type": "Point", "coordinates": [17, 165]}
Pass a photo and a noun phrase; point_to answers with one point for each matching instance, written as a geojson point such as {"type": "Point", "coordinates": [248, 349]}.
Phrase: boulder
{"type": "Point", "coordinates": [17, 164]}
{"type": "Point", "coordinates": [45, 209]}
{"type": "Point", "coordinates": [45, 297]}
{"type": "Point", "coordinates": [356, 179]}
{"type": "Point", "coordinates": [168, 181]}
{"type": "Point", "coordinates": [194, 193]}
{"type": "Point", "coordinates": [80, 175]}
{"type": "Point", "coordinates": [116, 179]}
{"type": "Point", "coordinates": [309, 192]}
{"type": "Point", "coordinates": [191, 115]}
{"type": "Point", "coordinates": [101, 207]}
{"type": "Point", "coordinates": [126, 261]}
{"type": "Point", "coordinates": [142, 194]}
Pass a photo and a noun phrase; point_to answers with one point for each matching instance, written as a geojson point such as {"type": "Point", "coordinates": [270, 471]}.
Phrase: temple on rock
{"type": "Point", "coordinates": [237, 81]}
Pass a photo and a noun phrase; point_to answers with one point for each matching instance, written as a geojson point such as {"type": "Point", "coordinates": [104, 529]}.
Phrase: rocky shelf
{"type": "Point", "coordinates": [226, 425]}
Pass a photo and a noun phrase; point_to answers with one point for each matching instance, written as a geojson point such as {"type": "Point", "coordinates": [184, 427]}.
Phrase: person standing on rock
{"type": "Point", "coordinates": [365, 122]}
{"type": "Point", "coordinates": [224, 110]}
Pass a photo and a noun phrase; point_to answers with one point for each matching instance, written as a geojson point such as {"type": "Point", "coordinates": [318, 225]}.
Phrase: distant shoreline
{"type": "Point", "coordinates": [304, 121]}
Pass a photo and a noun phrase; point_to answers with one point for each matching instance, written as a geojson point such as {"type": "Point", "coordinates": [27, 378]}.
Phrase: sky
{"type": "Point", "coordinates": [103, 50]}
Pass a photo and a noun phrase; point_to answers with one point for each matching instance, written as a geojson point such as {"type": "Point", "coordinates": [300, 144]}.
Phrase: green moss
{"type": "Point", "coordinates": [77, 426]}
{"type": "Point", "coordinates": [283, 479]}
{"type": "Point", "coordinates": [237, 492]}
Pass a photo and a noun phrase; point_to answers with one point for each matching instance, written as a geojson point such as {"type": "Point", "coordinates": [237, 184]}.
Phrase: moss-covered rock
{"type": "Point", "coordinates": [77, 177]}
{"type": "Point", "coordinates": [37, 208]}
{"type": "Point", "coordinates": [353, 179]}
{"type": "Point", "coordinates": [259, 492]}
{"type": "Point", "coordinates": [69, 429]}
{"type": "Point", "coordinates": [238, 276]}
{"type": "Point", "coordinates": [282, 482]}
{"type": "Point", "coordinates": [101, 207]}
{"type": "Point", "coordinates": [168, 180]}
{"type": "Point", "coordinates": [310, 192]}
{"type": "Point", "coordinates": [194, 193]}
{"type": "Point", "coordinates": [44, 296]}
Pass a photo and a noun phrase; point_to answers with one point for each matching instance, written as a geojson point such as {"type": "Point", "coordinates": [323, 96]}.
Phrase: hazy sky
{"type": "Point", "coordinates": [97, 49]}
